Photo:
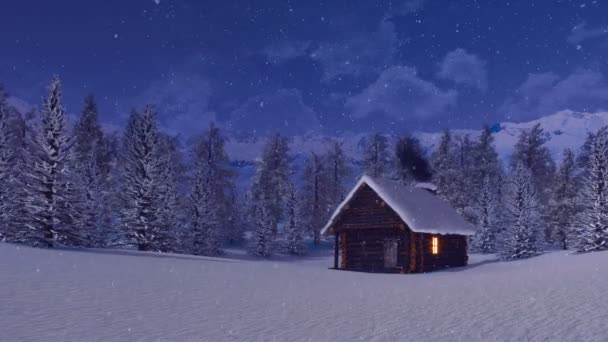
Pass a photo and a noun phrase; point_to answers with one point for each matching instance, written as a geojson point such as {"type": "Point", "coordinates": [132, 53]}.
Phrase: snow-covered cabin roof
{"type": "Point", "coordinates": [422, 211]}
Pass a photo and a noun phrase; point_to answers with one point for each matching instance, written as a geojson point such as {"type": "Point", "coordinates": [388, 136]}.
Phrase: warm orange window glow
{"type": "Point", "coordinates": [435, 245]}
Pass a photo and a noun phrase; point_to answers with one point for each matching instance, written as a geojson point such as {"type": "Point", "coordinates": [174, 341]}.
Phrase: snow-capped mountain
{"type": "Point", "coordinates": [563, 129]}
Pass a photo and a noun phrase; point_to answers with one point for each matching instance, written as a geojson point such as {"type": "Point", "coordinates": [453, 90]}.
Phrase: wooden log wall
{"type": "Point", "coordinates": [452, 252]}
{"type": "Point", "coordinates": [365, 225]}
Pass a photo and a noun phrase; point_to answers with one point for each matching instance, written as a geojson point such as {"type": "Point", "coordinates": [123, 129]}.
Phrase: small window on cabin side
{"type": "Point", "coordinates": [435, 245]}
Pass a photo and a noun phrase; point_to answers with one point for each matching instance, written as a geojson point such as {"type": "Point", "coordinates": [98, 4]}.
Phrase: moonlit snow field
{"type": "Point", "coordinates": [67, 295]}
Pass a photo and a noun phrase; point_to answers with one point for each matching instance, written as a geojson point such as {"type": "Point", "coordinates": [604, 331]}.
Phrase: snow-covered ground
{"type": "Point", "coordinates": [63, 295]}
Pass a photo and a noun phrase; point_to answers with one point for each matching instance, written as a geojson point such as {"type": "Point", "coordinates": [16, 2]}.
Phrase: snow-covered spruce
{"type": "Point", "coordinates": [337, 171]}
{"type": "Point", "coordinates": [564, 203]}
{"type": "Point", "coordinates": [209, 154]}
{"type": "Point", "coordinates": [8, 172]}
{"type": "Point", "coordinates": [169, 236]}
{"type": "Point", "coordinates": [268, 193]}
{"type": "Point", "coordinates": [530, 150]}
{"type": "Point", "coordinates": [294, 234]}
{"type": "Point", "coordinates": [203, 215]}
{"type": "Point", "coordinates": [444, 168]}
{"type": "Point", "coordinates": [142, 180]}
{"type": "Point", "coordinates": [315, 198]}
{"type": "Point", "coordinates": [264, 237]}
{"type": "Point", "coordinates": [520, 239]}
{"type": "Point", "coordinates": [376, 158]}
{"type": "Point", "coordinates": [487, 218]}
{"type": "Point", "coordinates": [92, 163]}
{"type": "Point", "coordinates": [591, 227]}
{"type": "Point", "coordinates": [51, 195]}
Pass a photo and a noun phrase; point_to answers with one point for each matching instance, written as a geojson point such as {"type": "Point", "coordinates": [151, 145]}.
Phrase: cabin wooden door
{"type": "Point", "coordinates": [391, 252]}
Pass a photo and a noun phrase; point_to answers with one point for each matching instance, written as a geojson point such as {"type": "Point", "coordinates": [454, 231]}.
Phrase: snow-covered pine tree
{"type": "Point", "coordinates": [92, 163]}
{"type": "Point", "coordinates": [485, 160]}
{"type": "Point", "coordinates": [263, 236]}
{"type": "Point", "coordinates": [88, 136]}
{"type": "Point", "coordinates": [530, 150]}
{"type": "Point", "coordinates": [92, 196]}
{"type": "Point", "coordinates": [337, 170]}
{"type": "Point", "coordinates": [141, 180]}
{"type": "Point", "coordinates": [520, 239]}
{"type": "Point", "coordinates": [235, 225]}
{"type": "Point", "coordinates": [564, 203]}
{"type": "Point", "coordinates": [50, 188]}
{"type": "Point", "coordinates": [591, 226]}
{"type": "Point", "coordinates": [411, 164]}
{"type": "Point", "coordinates": [376, 158]}
{"type": "Point", "coordinates": [170, 215]}
{"type": "Point", "coordinates": [8, 156]}
{"type": "Point", "coordinates": [209, 153]}
{"type": "Point", "coordinates": [271, 181]}
{"type": "Point", "coordinates": [486, 217]}
{"type": "Point", "coordinates": [445, 172]}
{"type": "Point", "coordinates": [463, 187]}
{"type": "Point", "coordinates": [315, 199]}
{"type": "Point", "coordinates": [294, 235]}
{"type": "Point", "coordinates": [204, 210]}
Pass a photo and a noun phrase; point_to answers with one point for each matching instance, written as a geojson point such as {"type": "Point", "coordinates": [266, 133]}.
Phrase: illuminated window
{"type": "Point", "coordinates": [435, 245]}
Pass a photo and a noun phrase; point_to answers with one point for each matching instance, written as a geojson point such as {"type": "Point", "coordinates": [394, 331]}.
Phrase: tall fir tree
{"type": "Point", "coordinates": [487, 218]}
{"type": "Point", "coordinates": [141, 177]}
{"type": "Point", "coordinates": [264, 239]}
{"type": "Point", "coordinates": [9, 157]}
{"type": "Point", "coordinates": [92, 163]}
{"type": "Point", "coordinates": [338, 171]}
{"type": "Point", "coordinates": [521, 237]}
{"type": "Point", "coordinates": [463, 197]}
{"type": "Point", "coordinates": [530, 150]}
{"type": "Point", "coordinates": [169, 233]}
{"type": "Point", "coordinates": [203, 215]}
{"type": "Point", "coordinates": [485, 160]}
{"type": "Point", "coordinates": [50, 178]}
{"type": "Point", "coordinates": [564, 203]}
{"type": "Point", "coordinates": [411, 163]}
{"type": "Point", "coordinates": [445, 171]}
{"type": "Point", "coordinates": [209, 153]}
{"type": "Point", "coordinates": [376, 158]}
{"type": "Point", "coordinates": [591, 227]}
{"type": "Point", "coordinates": [294, 235]}
{"type": "Point", "coordinates": [315, 199]}
{"type": "Point", "coordinates": [271, 182]}
{"type": "Point", "coordinates": [235, 225]}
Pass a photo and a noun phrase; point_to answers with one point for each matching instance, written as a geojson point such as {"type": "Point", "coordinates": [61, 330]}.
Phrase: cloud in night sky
{"type": "Point", "coordinates": [282, 52]}
{"type": "Point", "coordinates": [545, 93]}
{"type": "Point", "coordinates": [407, 7]}
{"type": "Point", "coordinates": [464, 68]}
{"type": "Point", "coordinates": [581, 32]}
{"type": "Point", "coordinates": [182, 101]}
{"type": "Point", "coordinates": [364, 54]}
{"type": "Point", "coordinates": [281, 111]}
{"type": "Point", "coordinates": [399, 93]}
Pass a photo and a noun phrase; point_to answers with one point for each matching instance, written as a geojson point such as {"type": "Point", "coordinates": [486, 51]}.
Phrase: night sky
{"type": "Point", "coordinates": [293, 66]}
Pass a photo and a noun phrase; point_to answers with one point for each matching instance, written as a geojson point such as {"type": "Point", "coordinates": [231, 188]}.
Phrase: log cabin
{"type": "Point", "coordinates": [385, 226]}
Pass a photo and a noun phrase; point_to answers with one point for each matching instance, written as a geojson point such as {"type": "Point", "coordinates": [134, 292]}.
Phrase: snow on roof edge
{"type": "Point", "coordinates": [469, 230]}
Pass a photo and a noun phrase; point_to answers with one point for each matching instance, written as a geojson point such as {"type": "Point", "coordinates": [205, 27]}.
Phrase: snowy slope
{"type": "Point", "coordinates": [51, 295]}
